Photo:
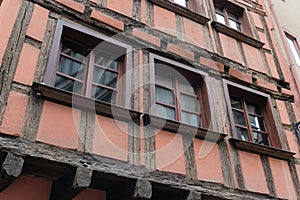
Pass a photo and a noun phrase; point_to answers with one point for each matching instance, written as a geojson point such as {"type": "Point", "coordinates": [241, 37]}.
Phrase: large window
{"type": "Point", "coordinates": [83, 62]}
{"type": "Point", "coordinates": [294, 48]}
{"type": "Point", "coordinates": [251, 115]}
{"type": "Point", "coordinates": [179, 92]}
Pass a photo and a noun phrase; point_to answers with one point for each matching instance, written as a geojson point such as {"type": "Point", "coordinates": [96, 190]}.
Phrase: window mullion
{"type": "Point", "coordinates": [89, 74]}
{"type": "Point", "coordinates": [226, 17]}
{"type": "Point", "coordinates": [246, 116]}
{"type": "Point", "coordinates": [177, 96]}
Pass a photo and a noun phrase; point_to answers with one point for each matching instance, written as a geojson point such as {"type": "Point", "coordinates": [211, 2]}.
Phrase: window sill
{"type": "Point", "coordinates": [66, 98]}
{"type": "Point", "coordinates": [237, 34]}
{"type": "Point", "coordinates": [261, 149]}
{"type": "Point", "coordinates": [185, 12]}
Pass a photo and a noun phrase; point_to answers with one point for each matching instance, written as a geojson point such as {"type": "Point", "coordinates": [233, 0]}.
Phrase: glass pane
{"type": "Point", "coordinates": [260, 138]}
{"type": "Point", "coordinates": [235, 25]}
{"type": "Point", "coordinates": [164, 96]}
{"type": "Point", "coordinates": [68, 84]}
{"type": "Point", "coordinates": [75, 50]}
{"type": "Point", "coordinates": [181, 2]}
{"type": "Point", "coordinates": [232, 16]}
{"type": "Point", "coordinates": [252, 108]}
{"type": "Point", "coordinates": [105, 77]}
{"type": "Point", "coordinates": [292, 43]}
{"type": "Point", "coordinates": [185, 86]}
{"type": "Point", "coordinates": [220, 18]}
{"type": "Point", "coordinates": [106, 60]}
{"type": "Point", "coordinates": [239, 118]}
{"type": "Point", "coordinates": [242, 134]}
{"type": "Point", "coordinates": [257, 123]}
{"type": "Point", "coordinates": [163, 78]}
{"type": "Point", "coordinates": [102, 94]}
{"type": "Point", "coordinates": [236, 103]}
{"type": "Point", "coordinates": [189, 103]}
{"type": "Point", "coordinates": [191, 119]}
{"type": "Point", "coordinates": [165, 112]}
{"type": "Point", "coordinates": [70, 67]}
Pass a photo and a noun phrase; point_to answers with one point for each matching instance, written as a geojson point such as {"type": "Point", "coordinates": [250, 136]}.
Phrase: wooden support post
{"type": "Point", "coordinates": [70, 185]}
{"type": "Point", "coordinates": [10, 170]}
{"type": "Point", "coordinates": [142, 190]}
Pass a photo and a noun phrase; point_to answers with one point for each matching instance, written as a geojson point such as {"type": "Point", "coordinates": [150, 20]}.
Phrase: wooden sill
{"type": "Point", "coordinates": [237, 34]}
{"type": "Point", "coordinates": [185, 12]}
{"type": "Point", "coordinates": [77, 101]}
{"type": "Point", "coordinates": [261, 149]}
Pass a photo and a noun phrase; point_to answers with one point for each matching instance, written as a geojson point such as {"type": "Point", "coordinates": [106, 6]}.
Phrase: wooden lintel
{"type": "Point", "coordinates": [10, 170]}
{"type": "Point", "coordinates": [142, 190]}
{"type": "Point", "coordinates": [70, 185]}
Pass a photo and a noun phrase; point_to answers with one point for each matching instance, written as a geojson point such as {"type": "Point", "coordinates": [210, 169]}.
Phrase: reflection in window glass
{"type": "Point", "coordinates": [293, 46]}
{"type": "Point", "coordinates": [181, 2]}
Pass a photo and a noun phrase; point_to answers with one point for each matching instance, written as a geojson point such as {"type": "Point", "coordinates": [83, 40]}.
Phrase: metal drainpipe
{"type": "Point", "coordinates": [285, 44]}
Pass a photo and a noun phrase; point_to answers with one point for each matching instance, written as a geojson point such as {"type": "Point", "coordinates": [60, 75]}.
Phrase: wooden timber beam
{"type": "Point", "coordinates": [142, 189]}
{"type": "Point", "coordinates": [10, 170]}
{"type": "Point", "coordinates": [70, 185]}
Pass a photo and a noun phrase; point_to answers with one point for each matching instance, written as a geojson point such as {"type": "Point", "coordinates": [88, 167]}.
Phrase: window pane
{"type": "Point", "coordinates": [292, 44]}
{"type": "Point", "coordinates": [260, 138]}
{"type": "Point", "coordinates": [235, 25]}
{"type": "Point", "coordinates": [236, 103]}
{"type": "Point", "coordinates": [239, 118]}
{"type": "Point", "coordinates": [106, 62]}
{"type": "Point", "coordinates": [220, 18]}
{"type": "Point", "coordinates": [102, 94]}
{"type": "Point", "coordinates": [186, 86]}
{"type": "Point", "coordinates": [257, 123]}
{"type": "Point", "coordinates": [105, 77]}
{"type": "Point", "coordinates": [242, 134]}
{"type": "Point", "coordinates": [163, 78]}
{"type": "Point", "coordinates": [164, 96]}
{"type": "Point", "coordinates": [252, 108]}
{"type": "Point", "coordinates": [70, 67]}
{"type": "Point", "coordinates": [191, 119]}
{"type": "Point", "coordinates": [165, 112]}
{"type": "Point", "coordinates": [232, 16]}
{"type": "Point", "coordinates": [68, 84]}
{"type": "Point", "coordinates": [74, 50]}
{"type": "Point", "coordinates": [181, 2]}
{"type": "Point", "coordinates": [189, 103]}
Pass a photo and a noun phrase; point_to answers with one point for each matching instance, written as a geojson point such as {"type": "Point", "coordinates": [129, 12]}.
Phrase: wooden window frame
{"type": "Point", "coordinates": [296, 45]}
{"type": "Point", "coordinates": [257, 97]}
{"type": "Point", "coordinates": [205, 99]}
{"type": "Point", "coordinates": [225, 13]}
{"type": "Point", "coordinates": [52, 65]}
{"type": "Point", "coordinates": [246, 35]}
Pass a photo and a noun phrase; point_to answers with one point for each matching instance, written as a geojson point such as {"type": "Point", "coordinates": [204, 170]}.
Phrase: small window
{"type": "Point", "coordinates": [87, 65]}
{"type": "Point", "coordinates": [184, 3]}
{"type": "Point", "coordinates": [294, 48]}
{"type": "Point", "coordinates": [228, 17]}
{"type": "Point", "coordinates": [179, 94]}
{"type": "Point", "coordinates": [251, 115]}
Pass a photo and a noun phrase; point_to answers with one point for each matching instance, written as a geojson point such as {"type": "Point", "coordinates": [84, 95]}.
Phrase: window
{"type": "Point", "coordinates": [294, 47]}
{"type": "Point", "coordinates": [83, 62]}
{"type": "Point", "coordinates": [179, 92]}
{"type": "Point", "coordinates": [183, 3]}
{"type": "Point", "coordinates": [250, 115]}
{"type": "Point", "coordinates": [227, 17]}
